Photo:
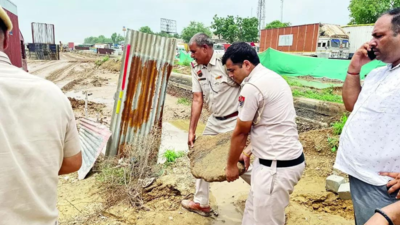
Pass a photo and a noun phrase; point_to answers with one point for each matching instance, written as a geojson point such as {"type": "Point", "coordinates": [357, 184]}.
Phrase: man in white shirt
{"type": "Point", "coordinates": [370, 142]}
{"type": "Point", "coordinates": [38, 141]}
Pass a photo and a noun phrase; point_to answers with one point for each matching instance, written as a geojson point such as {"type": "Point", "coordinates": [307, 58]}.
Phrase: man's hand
{"type": "Point", "coordinates": [360, 58]}
{"type": "Point", "coordinates": [393, 184]}
{"type": "Point", "coordinates": [232, 173]}
{"type": "Point", "coordinates": [191, 139]}
{"type": "Point", "coordinates": [246, 160]}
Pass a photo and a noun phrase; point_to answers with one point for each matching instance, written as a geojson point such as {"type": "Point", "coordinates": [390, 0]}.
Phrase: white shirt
{"type": "Point", "coordinates": [37, 130]}
{"type": "Point", "coordinates": [219, 90]}
{"type": "Point", "coordinates": [275, 136]}
{"type": "Point", "coordinates": [370, 141]}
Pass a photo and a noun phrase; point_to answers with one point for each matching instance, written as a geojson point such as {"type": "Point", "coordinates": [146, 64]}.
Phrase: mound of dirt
{"type": "Point", "coordinates": [208, 157]}
{"type": "Point", "coordinates": [112, 65]}
{"type": "Point", "coordinates": [317, 141]}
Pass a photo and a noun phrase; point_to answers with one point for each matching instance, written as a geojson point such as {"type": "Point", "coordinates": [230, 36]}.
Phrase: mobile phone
{"type": "Point", "coordinates": [371, 54]}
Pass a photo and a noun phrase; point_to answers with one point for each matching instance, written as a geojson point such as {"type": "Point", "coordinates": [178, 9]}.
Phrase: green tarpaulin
{"type": "Point", "coordinates": [293, 65]}
{"type": "Point", "coordinates": [184, 58]}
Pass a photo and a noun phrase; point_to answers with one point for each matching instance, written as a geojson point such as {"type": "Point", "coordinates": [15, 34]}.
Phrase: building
{"type": "Point", "coordinates": [16, 48]}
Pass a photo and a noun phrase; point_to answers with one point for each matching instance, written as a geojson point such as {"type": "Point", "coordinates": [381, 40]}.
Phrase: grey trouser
{"type": "Point", "coordinates": [367, 198]}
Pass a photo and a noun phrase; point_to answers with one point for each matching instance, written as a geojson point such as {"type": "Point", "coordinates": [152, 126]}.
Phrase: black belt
{"type": "Point", "coordinates": [283, 163]}
{"type": "Point", "coordinates": [227, 117]}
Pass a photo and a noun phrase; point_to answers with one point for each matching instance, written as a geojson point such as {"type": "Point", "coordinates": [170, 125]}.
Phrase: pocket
{"type": "Point", "coordinates": [385, 100]}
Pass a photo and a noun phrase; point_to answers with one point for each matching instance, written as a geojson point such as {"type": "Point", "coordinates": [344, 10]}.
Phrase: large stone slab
{"type": "Point", "coordinates": [209, 156]}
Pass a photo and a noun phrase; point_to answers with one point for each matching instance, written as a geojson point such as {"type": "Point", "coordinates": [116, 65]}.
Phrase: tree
{"type": "Point", "coordinates": [368, 11]}
{"type": "Point", "coordinates": [276, 24]}
{"type": "Point", "coordinates": [114, 38]}
{"type": "Point", "coordinates": [249, 29]}
{"type": "Point", "coordinates": [101, 39]}
{"type": "Point", "coordinates": [120, 38]}
{"type": "Point", "coordinates": [236, 29]}
{"type": "Point", "coordinates": [218, 26]}
{"type": "Point", "coordinates": [230, 29]}
{"type": "Point", "coordinates": [194, 28]}
{"type": "Point", "coordinates": [146, 30]}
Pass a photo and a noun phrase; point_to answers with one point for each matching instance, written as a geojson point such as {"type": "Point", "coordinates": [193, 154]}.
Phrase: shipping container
{"type": "Point", "coordinates": [358, 35]}
{"type": "Point", "coordinates": [71, 46]}
{"type": "Point", "coordinates": [16, 49]}
{"type": "Point", "coordinates": [316, 40]}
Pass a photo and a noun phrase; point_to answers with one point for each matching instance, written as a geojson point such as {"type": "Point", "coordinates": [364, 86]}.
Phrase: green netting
{"type": "Point", "coordinates": [293, 65]}
{"type": "Point", "coordinates": [184, 58]}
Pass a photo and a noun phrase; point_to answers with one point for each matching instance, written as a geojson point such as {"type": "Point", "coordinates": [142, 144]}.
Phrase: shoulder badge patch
{"type": "Point", "coordinates": [199, 73]}
{"type": "Point", "coordinates": [241, 100]}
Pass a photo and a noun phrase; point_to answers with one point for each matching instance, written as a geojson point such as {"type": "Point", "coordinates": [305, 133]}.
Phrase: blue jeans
{"type": "Point", "coordinates": [366, 198]}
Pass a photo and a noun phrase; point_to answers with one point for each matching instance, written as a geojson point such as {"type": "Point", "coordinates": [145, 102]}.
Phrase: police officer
{"type": "Point", "coordinates": [212, 85]}
{"type": "Point", "coordinates": [266, 111]}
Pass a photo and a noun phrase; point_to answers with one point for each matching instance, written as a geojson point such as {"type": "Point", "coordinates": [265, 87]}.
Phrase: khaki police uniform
{"type": "Point", "coordinates": [220, 93]}
{"type": "Point", "coordinates": [266, 99]}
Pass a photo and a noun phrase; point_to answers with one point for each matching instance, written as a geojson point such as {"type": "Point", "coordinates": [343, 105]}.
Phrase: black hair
{"type": "Point", "coordinates": [395, 20]}
{"type": "Point", "coordinates": [3, 27]}
{"type": "Point", "coordinates": [240, 51]}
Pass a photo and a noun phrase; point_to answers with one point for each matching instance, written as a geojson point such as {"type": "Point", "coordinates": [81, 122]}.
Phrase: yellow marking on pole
{"type": "Point", "coordinates": [119, 101]}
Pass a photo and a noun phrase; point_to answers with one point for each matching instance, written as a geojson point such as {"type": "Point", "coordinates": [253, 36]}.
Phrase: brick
{"type": "Point", "coordinates": [333, 183]}
{"type": "Point", "coordinates": [344, 191]}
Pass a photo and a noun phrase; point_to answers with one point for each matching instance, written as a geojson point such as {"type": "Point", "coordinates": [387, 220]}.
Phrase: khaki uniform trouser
{"type": "Point", "coordinates": [215, 127]}
{"type": "Point", "coordinates": [269, 193]}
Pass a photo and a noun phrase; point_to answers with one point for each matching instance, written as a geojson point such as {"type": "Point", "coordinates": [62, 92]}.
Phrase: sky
{"type": "Point", "coordinates": [75, 20]}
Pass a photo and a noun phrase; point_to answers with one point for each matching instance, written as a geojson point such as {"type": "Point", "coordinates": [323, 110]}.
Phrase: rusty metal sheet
{"type": "Point", "coordinates": [93, 137]}
{"type": "Point", "coordinates": [139, 100]}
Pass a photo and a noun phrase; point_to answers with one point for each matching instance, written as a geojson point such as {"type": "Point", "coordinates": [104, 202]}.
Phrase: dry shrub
{"type": "Point", "coordinates": [135, 168]}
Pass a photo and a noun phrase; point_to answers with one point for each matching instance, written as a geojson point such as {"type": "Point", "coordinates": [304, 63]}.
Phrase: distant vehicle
{"type": "Point", "coordinates": [219, 49]}
{"type": "Point", "coordinates": [359, 34]}
{"type": "Point", "coordinates": [315, 40]}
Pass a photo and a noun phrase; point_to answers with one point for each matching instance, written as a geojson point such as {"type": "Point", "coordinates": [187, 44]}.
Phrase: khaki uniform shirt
{"type": "Point", "coordinates": [266, 99]}
{"type": "Point", "coordinates": [37, 130]}
{"type": "Point", "coordinates": [220, 92]}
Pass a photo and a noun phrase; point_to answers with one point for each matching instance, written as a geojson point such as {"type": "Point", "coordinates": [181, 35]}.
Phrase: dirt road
{"type": "Point", "coordinates": [84, 202]}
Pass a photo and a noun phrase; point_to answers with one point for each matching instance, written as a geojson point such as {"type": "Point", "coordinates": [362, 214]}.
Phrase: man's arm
{"type": "Point", "coordinates": [71, 164]}
{"type": "Point", "coordinates": [352, 84]}
{"type": "Point", "coordinates": [392, 211]}
{"type": "Point", "coordinates": [197, 106]}
{"type": "Point", "coordinates": [238, 143]}
{"type": "Point", "coordinates": [72, 157]}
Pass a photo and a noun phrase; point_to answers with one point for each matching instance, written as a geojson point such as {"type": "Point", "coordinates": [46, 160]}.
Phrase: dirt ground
{"type": "Point", "coordinates": [87, 202]}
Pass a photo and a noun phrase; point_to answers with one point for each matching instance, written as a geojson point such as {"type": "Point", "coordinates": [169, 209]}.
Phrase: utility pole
{"type": "Point", "coordinates": [261, 15]}
{"type": "Point", "coordinates": [281, 11]}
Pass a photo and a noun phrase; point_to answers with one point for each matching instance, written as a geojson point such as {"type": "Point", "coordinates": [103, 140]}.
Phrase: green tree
{"type": "Point", "coordinates": [276, 24]}
{"type": "Point", "coordinates": [230, 30]}
{"type": "Point", "coordinates": [114, 38]}
{"type": "Point", "coordinates": [192, 29]}
{"type": "Point", "coordinates": [218, 26]}
{"type": "Point", "coordinates": [120, 38]}
{"type": "Point", "coordinates": [90, 40]}
{"type": "Point", "coordinates": [368, 11]}
{"type": "Point", "coordinates": [249, 29]}
{"type": "Point", "coordinates": [146, 30]}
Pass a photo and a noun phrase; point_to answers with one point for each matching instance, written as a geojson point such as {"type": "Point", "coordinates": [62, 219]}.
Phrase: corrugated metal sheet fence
{"type": "Point", "coordinates": [148, 61]}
